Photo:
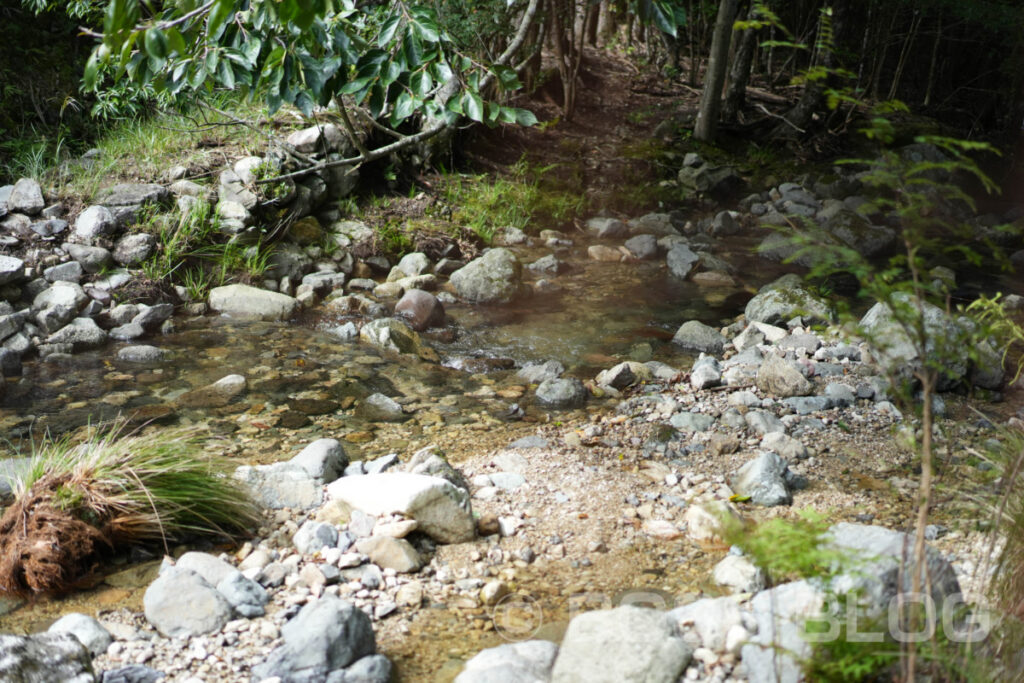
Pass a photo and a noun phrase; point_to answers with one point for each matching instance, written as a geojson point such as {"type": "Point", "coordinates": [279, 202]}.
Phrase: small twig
{"type": "Point", "coordinates": [783, 118]}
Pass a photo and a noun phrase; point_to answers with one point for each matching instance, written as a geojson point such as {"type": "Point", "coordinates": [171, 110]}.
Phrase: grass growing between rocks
{"type": "Point", "coordinates": [79, 502]}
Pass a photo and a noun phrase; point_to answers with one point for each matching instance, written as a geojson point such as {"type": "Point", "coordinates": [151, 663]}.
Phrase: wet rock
{"type": "Point", "coordinates": [220, 393]}
{"type": "Point", "coordinates": [49, 319]}
{"type": "Point", "coordinates": [535, 373]}
{"type": "Point", "coordinates": [627, 644]}
{"type": "Point", "coordinates": [323, 459]}
{"type": "Point", "coordinates": [390, 553]}
{"type": "Point", "coordinates": [151, 317]}
{"type": "Point", "coordinates": [45, 657]}
{"type": "Point", "coordinates": [389, 334]}
{"type": "Point", "coordinates": [624, 375]}
{"type": "Point", "coordinates": [11, 269]}
{"type": "Point", "coordinates": [327, 635]}
{"type": "Point", "coordinates": [549, 265]}
{"type": "Point", "coordinates": [133, 249]}
{"type": "Point", "coordinates": [243, 301]}
{"type": "Point", "coordinates": [659, 224]}
{"type": "Point", "coordinates": [696, 336]}
{"type": "Point", "coordinates": [88, 631]}
{"type": "Point", "coordinates": [421, 309]}
{"type": "Point", "coordinates": [561, 393]}
{"type": "Point", "coordinates": [857, 232]}
{"type": "Point", "coordinates": [141, 354]}
{"type": "Point", "coordinates": [723, 225]}
{"type": "Point", "coordinates": [528, 661]}
{"type": "Point", "coordinates": [642, 247]}
{"type": "Point", "coordinates": [127, 332]}
{"type": "Point", "coordinates": [442, 510]}
{"type": "Point", "coordinates": [81, 334]}
{"type": "Point", "coordinates": [713, 278]}
{"type": "Point", "coordinates": [180, 603]}
{"type": "Point", "coordinates": [380, 408]}
{"type": "Point", "coordinates": [495, 277]}
{"type": "Point", "coordinates": [606, 228]}
{"type": "Point", "coordinates": [599, 252]}
{"type": "Point", "coordinates": [718, 182]}
{"type": "Point", "coordinates": [26, 197]}
{"type": "Point", "coordinates": [681, 261]}
{"type": "Point", "coordinates": [763, 480]}
{"type": "Point", "coordinates": [783, 299]}
{"type": "Point", "coordinates": [738, 574]}
{"type": "Point", "coordinates": [781, 378]}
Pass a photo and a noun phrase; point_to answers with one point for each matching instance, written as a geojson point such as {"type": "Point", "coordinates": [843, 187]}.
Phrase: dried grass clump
{"type": "Point", "coordinates": [79, 502]}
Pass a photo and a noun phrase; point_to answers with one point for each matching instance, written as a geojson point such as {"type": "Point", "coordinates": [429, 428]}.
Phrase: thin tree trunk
{"type": "Point", "coordinates": [711, 98]}
{"type": "Point", "coordinates": [691, 32]}
{"type": "Point", "coordinates": [876, 76]}
{"type": "Point", "coordinates": [934, 61]}
{"type": "Point", "coordinates": [915, 24]}
{"type": "Point", "coordinates": [739, 75]}
{"type": "Point", "coordinates": [590, 24]}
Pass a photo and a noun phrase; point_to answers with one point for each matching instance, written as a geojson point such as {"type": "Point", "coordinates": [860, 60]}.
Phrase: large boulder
{"type": "Point", "coordinates": [45, 657]}
{"type": "Point", "coordinates": [495, 277]}
{"type": "Point", "coordinates": [787, 297]}
{"type": "Point", "coordinates": [442, 510]}
{"type": "Point", "coordinates": [718, 182]}
{"type": "Point", "coordinates": [896, 352]}
{"type": "Point", "coordinates": [281, 485]}
{"type": "Point", "coordinates": [773, 655]}
{"type": "Point", "coordinates": [95, 221]}
{"type": "Point", "coordinates": [81, 333]}
{"type": "Point", "coordinates": [627, 645]}
{"type": "Point", "coordinates": [26, 197]}
{"type": "Point", "coordinates": [326, 635]}
{"type": "Point", "coordinates": [561, 392]}
{"type": "Point", "coordinates": [694, 335]}
{"type": "Point", "coordinates": [528, 661]}
{"type": "Point", "coordinates": [421, 309]}
{"type": "Point", "coordinates": [681, 261]}
{"type": "Point", "coordinates": [243, 301]}
{"type": "Point", "coordinates": [857, 232]}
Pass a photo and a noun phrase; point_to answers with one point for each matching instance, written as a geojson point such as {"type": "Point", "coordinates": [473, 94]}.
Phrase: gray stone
{"type": "Point", "coordinates": [380, 408]}
{"type": "Point", "coordinates": [761, 422]}
{"type": "Point", "coordinates": [535, 373]}
{"type": "Point", "coordinates": [245, 595]}
{"type": "Point", "coordinates": [718, 182]}
{"type": "Point", "coordinates": [133, 673]}
{"type": "Point", "coordinates": [529, 442]}
{"type": "Point", "coordinates": [561, 393]}
{"type": "Point", "coordinates": [627, 644]}
{"type": "Point", "coordinates": [211, 568]}
{"type": "Point", "coordinates": [26, 197]}
{"type": "Point", "coordinates": [318, 139]}
{"type": "Point", "coordinates": [381, 464]}
{"type": "Point", "coordinates": [773, 655]}
{"type": "Point", "coordinates": [780, 377]}
{"type": "Point", "coordinates": [313, 536]}
{"type": "Point", "coordinates": [724, 224]}
{"type": "Point", "coordinates": [763, 480]}
{"type": "Point", "coordinates": [141, 354]}
{"type": "Point", "coordinates": [134, 194]}
{"type": "Point", "coordinates": [45, 657]}
{"type": "Point", "coordinates": [549, 265]}
{"type": "Point", "coordinates": [81, 333]}
{"type": "Point", "coordinates": [708, 619]}
{"type": "Point", "coordinates": [11, 269]}
{"type": "Point", "coordinates": [95, 221]}
{"type": "Point", "coordinates": [346, 332]}
{"type": "Point", "coordinates": [643, 247]}
{"type": "Point", "coordinates": [528, 661]}
{"type": "Point", "coordinates": [495, 277]}
{"type": "Point", "coordinates": [327, 635]}
{"type": "Point", "coordinates": [180, 603]}
{"type": "Point", "coordinates": [243, 301]}
{"type": "Point", "coordinates": [442, 510]}
{"type": "Point", "coordinates": [133, 249]}
{"type": "Point", "coordinates": [323, 459]}
{"type": "Point", "coordinates": [93, 259]}
{"type": "Point", "coordinates": [692, 422]}
{"type": "Point", "coordinates": [606, 228]}
{"type": "Point", "coordinates": [49, 319]}
{"type": "Point", "coordinates": [659, 224]}
{"type": "Point", "coordinates": [738, 574]}
{"type": "Point", "coordinates": [127, 332]}
{"type": "Point", "coordinates": [281, 485]}
{"type": "Point", "coordinates": [784, 299]}
{"type": "Point", "coordinates": [389, 334]}
{"type": "Point", "coordinates": [390, 553]}
{"type": "Point", "coordinates": [786, 446]}
{"type": "Point", "coordinates": [694, 335]}
{"type": "Point", "coordinates": [151, 317]}
{"type": "Point", "coordinates": [805, 405]}
{"type": "Point", "coordinates": [842, 395]}
{"type": "Point", "coordinates": [68, 272]}
{"type": "Point", "coordinates": [706, 372]}
{"type": "Point", "coordinates": [371, 669]}
{"type": "Point", "coordinates": [68, 294]}
{"type": "Point", "coordinates": [810, 342]}
{"type": "Point", "coordinates": [430, 461]}
{"type": "Point", "coordinates": [88, 631]}
{"type": "Point", "coordinates": [855, 231]}
{"type": "Point", "coordinates": [624, 375]}
{"type": "Point", "coordinates": [681, 261]}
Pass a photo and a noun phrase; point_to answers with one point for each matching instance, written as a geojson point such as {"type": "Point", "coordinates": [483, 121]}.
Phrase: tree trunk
{"type": "Point", "coordinates": [915, 24]}
{"type": "Point", "coordinates": [934, 61]}
{"type": "Point", "coordinates": [691, 33]}
{"type": "Point", "coordinates": [740, 72]}
{"type": "Point", "coordinates": [711, 97]}
{"type": "Point", "coordinates": [591, 22]}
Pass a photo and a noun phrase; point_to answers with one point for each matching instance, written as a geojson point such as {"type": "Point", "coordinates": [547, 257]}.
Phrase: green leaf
{"type": "Point", "coordinates": [405, 105]}
{"type": "Point", "coordinates": [305, 103]}
{"type": "Point", "coordinates": [507, 77]}
{"type": "Point", "coordinates": [251, 50]}
{"type": "Point", "coordinates": [156, 43]}
{"type": "Point", "coordinates": [377, 100]}
{"type": "Point", "coordinates": [525, 117]}
{"type": "Point", "coordinates": [388, 29]}
{"type": "Point", "coordinates": [218, 18]}
{"type": "Point", "coordinates": [420, 83]}
{"type": "Point", "coordinates": [492, 112]}
{"type": "Point", "coordinates": [413, 50]}
{"type": "Point", "coordinates": [92, 68]}
{"type": "Point", "coordinates": [358, 84]}
{"type": "Point", "coordinates": [454, 105]}
{"type": "Point", "coordinates": [226, 74]}
{"type": "Point", "coordinates": [175, 42]}
{"type": "Point", "coordinates": [474, 106]}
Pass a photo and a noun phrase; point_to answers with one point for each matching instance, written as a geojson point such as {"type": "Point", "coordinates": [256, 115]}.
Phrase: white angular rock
{"type": "Point", "coordinates": [442, 510]}
{"type": "Point", "coordinates": [738, 574]}
{"type": "Point", "coordinates": [243, 301]}
{"type": "Point", "coordinates": [89, 632]}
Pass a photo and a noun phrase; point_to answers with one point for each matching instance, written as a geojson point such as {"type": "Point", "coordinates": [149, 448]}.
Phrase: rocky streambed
{"type": "Point", "coordinates": [525, 451]}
